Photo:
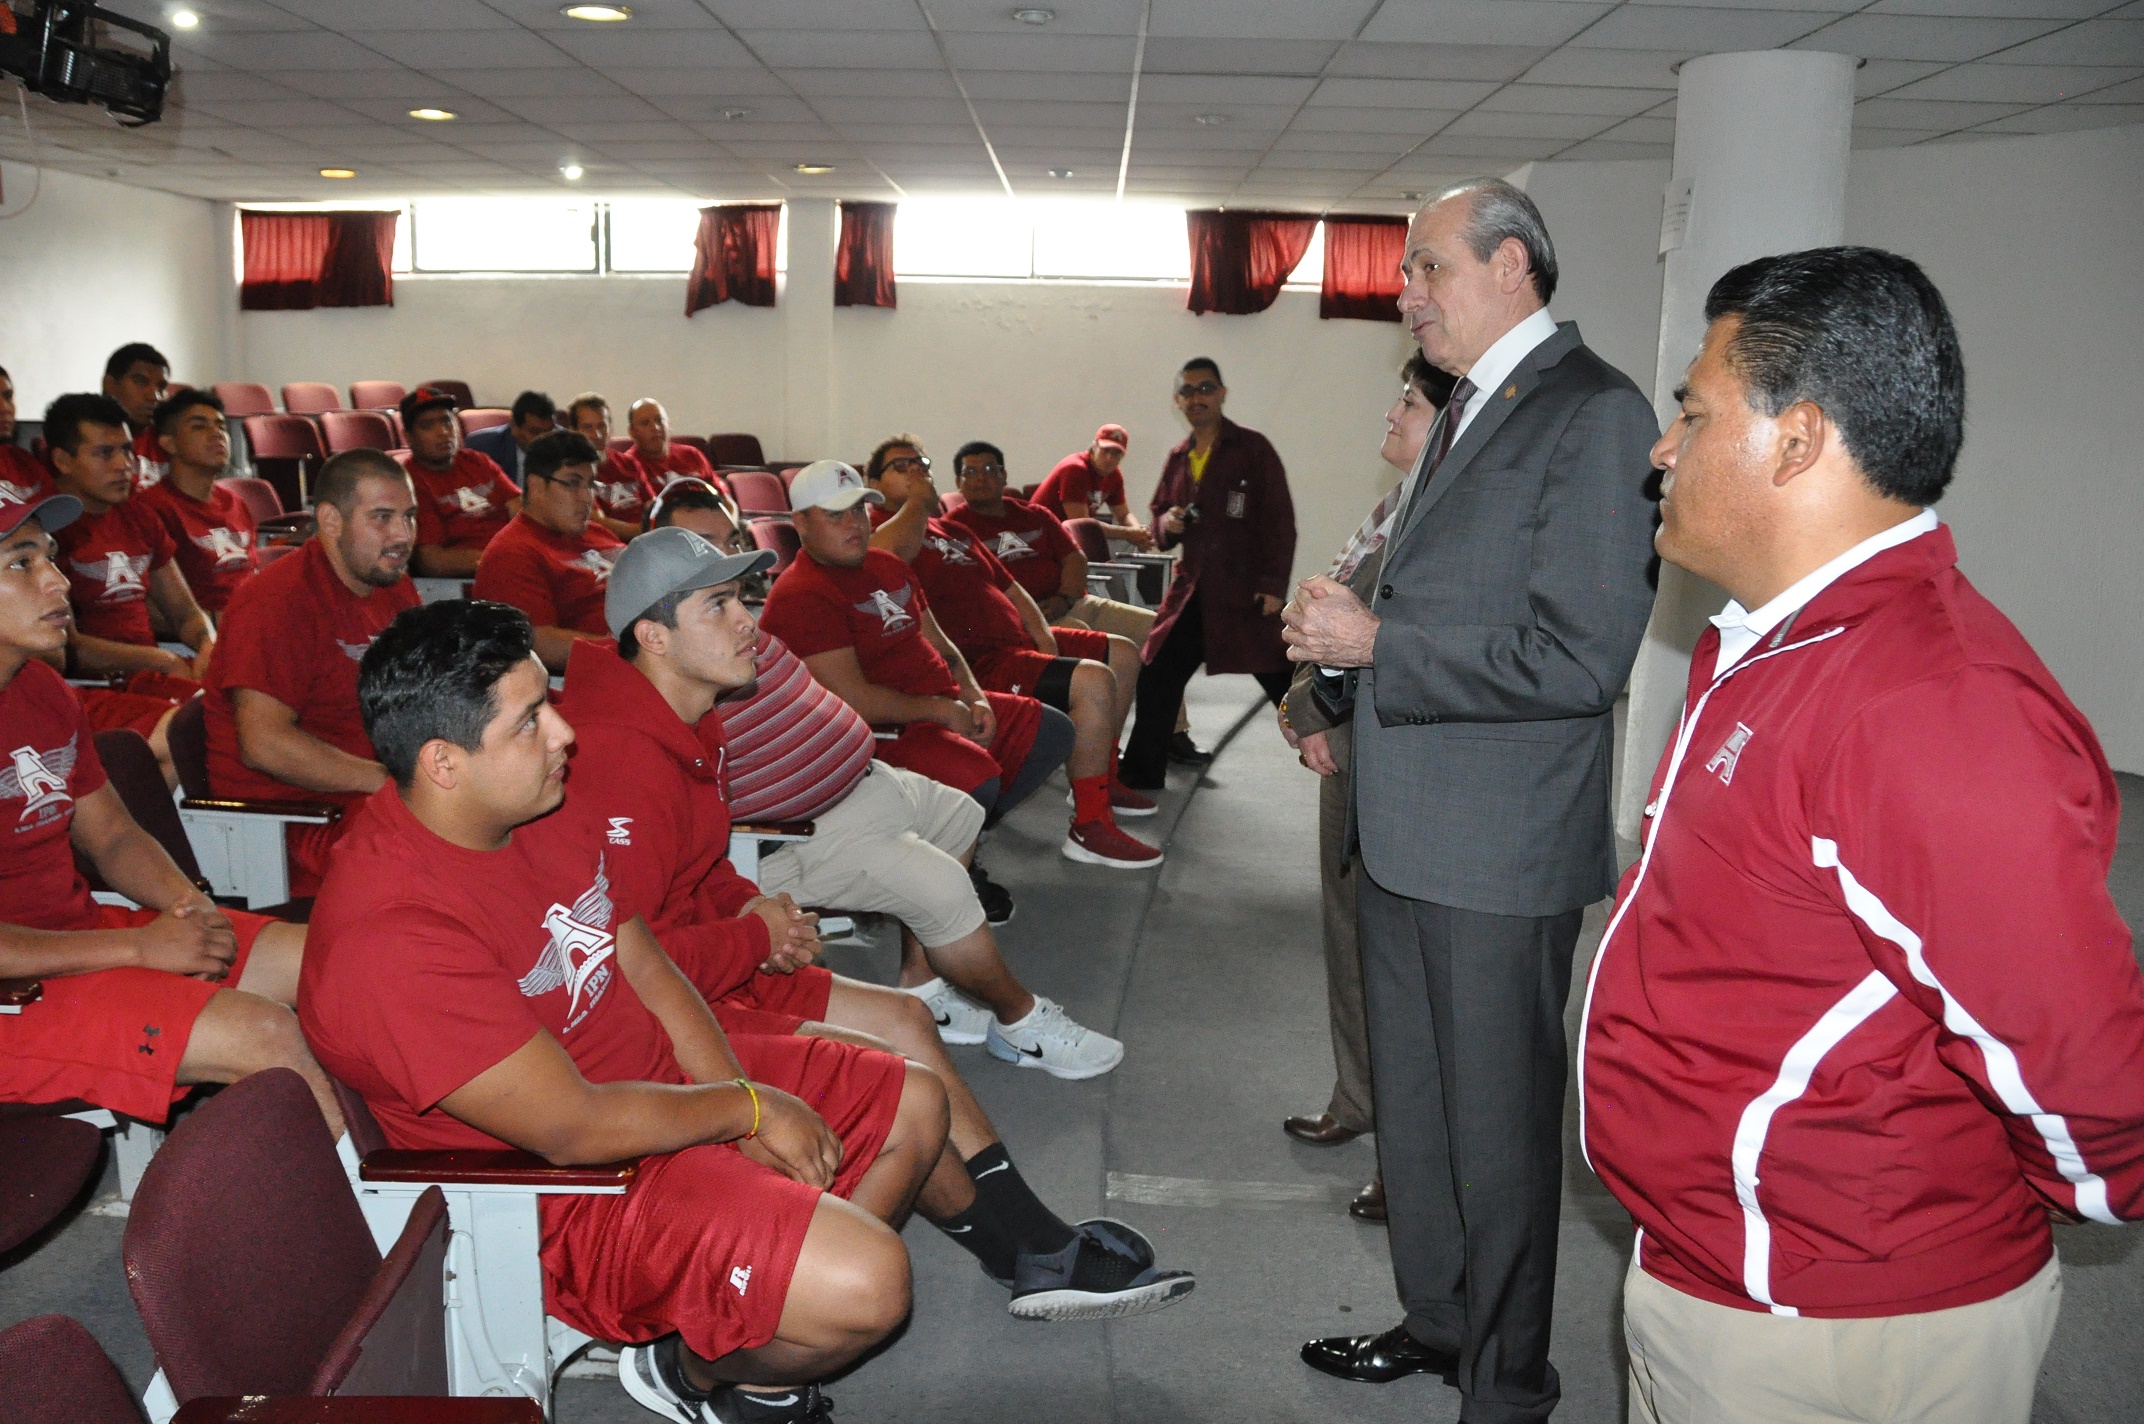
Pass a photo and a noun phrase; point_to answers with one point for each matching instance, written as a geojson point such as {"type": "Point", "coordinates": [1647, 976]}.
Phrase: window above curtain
{"type": "Point", "coordinates": [733, 256]}
{"type": "Point", "coordinates": [1362, 267]}
{"type": "Point", "coordinates": [299, 261]}
{"type": "Point", "coordinates": [1239, 259]}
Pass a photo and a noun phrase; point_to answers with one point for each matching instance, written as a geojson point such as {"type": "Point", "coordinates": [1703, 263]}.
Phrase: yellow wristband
{"type": "Point", "coordinates": [754, 1095]}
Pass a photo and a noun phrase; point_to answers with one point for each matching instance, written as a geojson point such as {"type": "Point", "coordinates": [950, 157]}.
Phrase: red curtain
{"type": "Point", "coordinates": [733, 257]}
{"type": "Point", "coordinates": [863, 262]}
{"type": "Point", "coordinates": [1362, 267]}
{"type": "Point", "coordinates": [1240, 259]}
{"type": "Point", "coordinates": [298, 261]}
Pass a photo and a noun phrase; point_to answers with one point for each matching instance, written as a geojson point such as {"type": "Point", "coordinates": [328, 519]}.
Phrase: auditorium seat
{"type": "Point", "coordinates": [1148, 573]}
{"type": "Point", "coordinates": [484, 418]}
{"type": "Point", "coordinates": [356, 430]}
{"type": "Point", "coordinates": [375, 395]}
{"type": "Point", "coordinates": [757, 492]}
{"type": "Point", "coordinates": [735, 449]}
{"type": "Point", "coordinates": [45, 1161]}
{"type": "Point", "coordinates": [254, 1269]}
{"type": "Point", "coordinates": [244, 398]}
{"type": "Point", "coordinates": [463, 398]}
{"type": "Point", "coordinates": [311, 397]}
{"type": "Point", "coordinates": [258, 496]}
{"type": "Point", "coordinates": [619, 444]}
{"type": "Point", "coordinates": [53, 1371]}
{"type": "Point", "coordinates": [780, 536]}
{"type": "Point", "coordinates": [696, 442]}
{"type": "Point", "coordinates": [139, 780]}
{"type": "Point", "coordinates": [286, 452]}
{"type": "Point", "coordinates": [237, 843]}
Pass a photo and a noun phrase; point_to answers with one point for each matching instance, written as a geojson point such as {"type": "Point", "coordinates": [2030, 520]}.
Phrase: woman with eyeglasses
{"type": "Point", "coordinates": [1223, 498]}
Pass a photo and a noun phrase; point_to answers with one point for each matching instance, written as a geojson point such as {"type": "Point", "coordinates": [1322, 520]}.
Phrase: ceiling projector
{"type": "Point", "coordinates": [53, 50]}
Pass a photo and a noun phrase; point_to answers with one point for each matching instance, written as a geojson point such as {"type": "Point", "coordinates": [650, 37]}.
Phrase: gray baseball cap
{"type": "Point", "coordinates": [666, 561]}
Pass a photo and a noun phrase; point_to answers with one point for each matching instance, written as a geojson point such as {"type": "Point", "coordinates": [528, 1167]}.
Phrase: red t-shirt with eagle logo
{"type": "Point", "coordinates": [1031, 543]}
{"type": "Point", "coordinates": [108, 558]}
{"type": "Point", "coordinates": [216, 539]}
{"type": "Point", "coordinates": [50, 762]}
{"type": "Point", "coordinates": [876, 608]}
{"type": "Point", "coordinates": [464, 505]}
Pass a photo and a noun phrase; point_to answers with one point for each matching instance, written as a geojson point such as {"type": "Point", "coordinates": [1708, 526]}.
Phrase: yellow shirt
{"type": "Point", "coordinates": [1197, 459]}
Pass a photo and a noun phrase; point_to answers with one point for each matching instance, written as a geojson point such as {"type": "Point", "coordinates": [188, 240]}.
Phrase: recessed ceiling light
{"type": "Point", "coordinates": [338, 172]}
{"type": "Point", "coordinates": [1034, 16]}
{"type": "Point", "coordinates": [813, 169]}
{"type": "Point", "coordinates": [598, 14]}
{"type": "Point", "coordinates": [1060, 173]}
{"type": "Point", "coordinates": [184, 19]}
{"type": "Point", "coordinates": [1210, 120]}
{"type": "Point", "coordinates": [571, 172]}
{"type": "Point", "coordinates": [437, 116]}
{"type": "Point", "coordinates": [731, 116]}
{"type": "Point", "coordinates": [1413, 195]}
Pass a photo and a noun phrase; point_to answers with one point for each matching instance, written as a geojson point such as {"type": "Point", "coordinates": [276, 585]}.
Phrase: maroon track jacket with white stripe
{"type": "Point", "coordinates": [1864, 1004]}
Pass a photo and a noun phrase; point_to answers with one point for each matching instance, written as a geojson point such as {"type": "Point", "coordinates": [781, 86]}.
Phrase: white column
{"type": "Point", "coordinates": [1761, 147]}
{"type": "Point", "coordinates": [807, 307]}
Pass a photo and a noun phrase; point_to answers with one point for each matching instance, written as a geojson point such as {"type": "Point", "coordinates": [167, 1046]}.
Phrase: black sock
{"type": "Point", "coordinates": [1004, 1196]}
{"type": "Point", "coordinates": [983, 1236]}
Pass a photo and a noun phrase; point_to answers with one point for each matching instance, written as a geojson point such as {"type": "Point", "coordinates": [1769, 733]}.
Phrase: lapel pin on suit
{"type": "Point", "coordinates": [1511, 391]}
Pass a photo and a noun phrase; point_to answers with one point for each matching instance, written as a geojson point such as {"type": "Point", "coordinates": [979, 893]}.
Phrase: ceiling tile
{"type": "Point", "coordinates": [274, 113]}
{"type": "Point", "coordinates": [2015, 83]}
{"type": "Point", "coordinates": [1483, 22]}
{"type": "Point", "coordinates": [1260, 19]}
{"type": "Point", "coordinates": [505, 83]}
{"type": "Point", "coordinates": [1879, 76]}
{"type": "Point", "coordinates": [2119, 42]}
{"type": "Point", "coordinates": [1216, 91]}
{"type": "Point", "coordinates": [1399, 93]}
{"type": "Point", "coordinates": [1477, 147]}
{"type": "Point", "coordinates": [1435, 61]}
{"type": "Point", "coordinates": [314, 49]}
{"type": "Point", "coordinates": [1601, 150]}
{"type": "Point", "coordinates": [1249, 57]}
{"type": "Point", "coordinates": [1829, 6]}
{"type": "Point", "coordinates": [1012, 84]}
{"type": "Point", "coordinates": [469, 49]}
{"type": "Point", "coordinates": [1700, 31]}
{"type": "Point", "coordinates": [1081, 116]}
{"type": "Point", "coordinates": [2130, 93]}
{"type": "Point", "coordinates": [2067, 118]}
{"type": "Point", "coordinates": [1928, 113]}
{"type": "Point", "coordinates": [1921, 36]}
{"type": "Point", "coordinates": [1574, 99]}
{"type": "Point", "coordinates": [1992, 9]}
{"type": "Point", "coordinates": [1641, 131]}
{"type": "Point", "coordinates": [932, 83]}
{"type": "Point", "coordinates": [1570, 127]}
{"type": "Point", "coordinates": [1310, 141]}
{"type": "Point", "coordinates": [392, 15]}
{"type": "Point", "coordinates": [718, 89]}
{"type": "Point", "coordinates": [629, 48]}
{"type": "Point", "coordinates": [1393, 120]}
{"type": "Point", "coordinates": [395, 83]}
{"type": "Point", "coordinates": [209, 86]}
{"type": "Point", "coordinates": [892, 111]}
{"type": "Point", "coordinates": [647, 14]}
{"type": "Point", "coordinates": [583, 109]}
{"type": "Point", "coordinates": [1609, 68]}
{"type": "Point", "coordinates": [1868, 136]}
{"type": "Point", "coordinates": [844, 49]}
{"type": "Point", "coordinates": [1088, 17]}
{"type": "Point", "coordinates": [227, 16]}
{"type": "Point", "coordinates": [1046, 53]}
{"type": "Point", "coordinates": [818, 14]}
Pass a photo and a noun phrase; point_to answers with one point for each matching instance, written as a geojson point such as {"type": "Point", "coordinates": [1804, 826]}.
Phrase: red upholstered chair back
{"type": "Point", "coordinates": [464, 398]}
{"type": "Point", "coordinates": [356, 430]}
{"type": "Point", "coordinates": [188, 735]}
{"type": "Point", "coordinates": [282, 437]}
{"type": "Point", "coordinates": [140, 783]}
{"type": "Point", "coordinates": [1092, 541]}
{"type": "Point", "coordinates": [619, 444]}
{"type": "Point", "coordinates": [259, 497]}
{"type": "Point", "coordinates": [758, 492]}
{"type": "Point", "coordinates": [245, 1249]}
{"type": "Point", "coordinates": [44, 1163]}
{"type": "Point", "coordinates": [52, 1371]}
{"type": "Point", "coordinates": [375, 395]}
{"type": "Point", "coordinates": [311, 397]}
{"type": "Point", "coordinates": [780, 536]}
{"type": "Point", "coordinates": [484, 418]}
{"type": "Point", "coordinates": [698, 443]}
{"type": "Point", "coordinates": [243, 398]}
{"type": "Point", "coordinates": [735, 449]}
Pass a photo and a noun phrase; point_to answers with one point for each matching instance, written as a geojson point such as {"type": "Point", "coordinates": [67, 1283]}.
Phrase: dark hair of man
{"type": "Point", "coordinates": [664, 612]}
{"type": "Point", "coordinates": [171, 408]}
{"type": "Point", "coordinates": [586, 400]}
{"type": "Point", "coordinates": [533, 403]}
{"type": "Point", "coordinates": [1865, 336]}
{"type": "Point", "coordinates": [434, 673]}
{"type": "Point", "coordinates": [127, 357]}
{"type": "Point", "coordinates": [1203, 363]}
{"type": "Point", "coordinates": [339, 478]}
{"type": "Point", "coordinates": [687, 494]}
{"type": "Point", "coordinates": [1498, 211]}
{"type": "Point", "coordinates": [65, 417]}
{"type": "Point", "coordinates": [876, 466]}
{"type": "Point", "coordinates": [977, 447]}
{"type": "Point", "coordinates": [1435, 385]}
{"type": "Point", "coordinates": [548, 454]}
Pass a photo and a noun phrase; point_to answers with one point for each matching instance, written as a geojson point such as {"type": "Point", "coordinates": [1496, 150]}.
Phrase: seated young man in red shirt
{"type": "Point", "coordinates": [1012, 648]}
{"type": "Point", "coordinates": [860, 620]}
{"type": "Point", "coordinates": [654, 459]}
{"type": "Point", "coordinates": [482, 976]}
{"type": "Point", "coordinates": [22, 477]}
{"type": "Point", "coordinates": [651, 761]}
{"type": "Point", "coordinates": [1089, 484]}
{"type": "Point", "coordinates": [553, 561]}
{"type": "Point", "coordinates": [463, 498]}
{"type": "Point", "coordinates": [282, 715]}
{"type": "Point", "coordinates": [622, 497]}
{"type": "Point", "coordinates": [136, 376]}
{"type": "Point", "coordinates": [211, 528]}
{"type": "Point", "coordinates": [138, 1004]}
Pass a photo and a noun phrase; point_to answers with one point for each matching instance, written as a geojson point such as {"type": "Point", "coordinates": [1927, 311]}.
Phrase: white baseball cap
{"type": "Point", "coordinates": [831, 485]}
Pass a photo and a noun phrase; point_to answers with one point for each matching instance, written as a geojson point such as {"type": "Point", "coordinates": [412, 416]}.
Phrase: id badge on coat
{"type": "Point", "coordinates": [1236, 504]}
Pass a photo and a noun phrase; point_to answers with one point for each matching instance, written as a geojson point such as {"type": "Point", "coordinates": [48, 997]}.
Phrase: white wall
{"type": "Point", "coordinates": [93, 265]}
{"type": "Point", "coordinates": [2038, 245]}
{"type": "Point", "coordinates": [1605, 221]}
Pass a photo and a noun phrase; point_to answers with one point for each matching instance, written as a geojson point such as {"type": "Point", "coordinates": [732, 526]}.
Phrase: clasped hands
{"type": "Point", "coordinates": [792, 933]}
{"type": "Point", "coordinates": [1325, 623]}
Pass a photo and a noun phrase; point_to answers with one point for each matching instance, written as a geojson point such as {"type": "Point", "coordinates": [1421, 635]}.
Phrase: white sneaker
{"type": "Point", "coordinates": [1048, 1039]}
{"type": "Point", "coordinates": [960, 1019]}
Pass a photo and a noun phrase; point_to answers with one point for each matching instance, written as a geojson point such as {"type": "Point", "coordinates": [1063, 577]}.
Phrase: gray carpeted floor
{"type": "Point", "coordinates": [1211, 973]}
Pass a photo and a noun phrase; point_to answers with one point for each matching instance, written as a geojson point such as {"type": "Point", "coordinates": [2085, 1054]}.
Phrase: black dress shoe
{"type": "Point", "coordinates": [1379, 1359]}
{"type": "Point", "coordinates": [995, 898]}
{"type": "Point", "coordinates": [1369, 1203]}
{"type": "Point", "coordinates": [1319, 1131]}
{"type": "Point", "coordinates": [1185, 752]}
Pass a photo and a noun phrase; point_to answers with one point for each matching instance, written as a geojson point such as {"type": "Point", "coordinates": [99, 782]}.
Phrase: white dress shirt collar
{"type": "Point", "coordinates": [1740, 629]}
{"type": "Point", "coordinates": [1502, 358]}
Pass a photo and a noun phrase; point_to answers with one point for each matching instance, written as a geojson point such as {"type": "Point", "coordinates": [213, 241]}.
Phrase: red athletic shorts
{"type": "Point", "coordinates": [115, 1037]}
{"type": "Point", "coordinates": [308, 847]}
{"type": "Point", "coordinates": [705, 1240]}
{"type": "Point", "coordinates": [950, 759]}
{"type": "Point", "coordinates": [776, 1003]}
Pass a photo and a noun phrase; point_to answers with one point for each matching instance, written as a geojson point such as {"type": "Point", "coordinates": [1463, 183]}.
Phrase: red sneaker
{"type": "Point", "coordinates": [1127, 802]}
{"type": "Point", "coordinates": [1101, 843]}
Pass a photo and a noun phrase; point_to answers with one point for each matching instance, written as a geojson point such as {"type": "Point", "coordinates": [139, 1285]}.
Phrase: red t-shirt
{"type": "Point", "coordinates": [427, 965]}
{"type": "Point", "coordinates": [1031, 543]}
{"type": "Point", "coordinates": [621, 491]}
{"type": "Point", "coordinates": [1076, 479]}
{"type": "Point", "coordinates": [52, 763]}
{"type": "Point", "coordinates": [465, 506]}
{"type": "Point", "coordinates": [151, 464]}
{"type": "Point", "coordinates": [22, 477]}
{"type": "Point", "coordinates": [558, 581]}
{"type": "Point", "coordinates": [215, 539]}
{"type": "Point", "coordinates": [108, 558]}
{"type": "Point", "coordinates": [678, 461]}
{"type": "Point", "coordinates": [967, 584]}
{"type": "Point", "coordinates": [295, 633]}
{"type": "Point", "coordinates": [877, 609]}
{"type": "Point", "coordinates": [795, 748]}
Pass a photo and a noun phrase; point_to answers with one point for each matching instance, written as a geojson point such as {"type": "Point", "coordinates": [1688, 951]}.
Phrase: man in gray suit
{"type": "Point", "coordinates": [1482, 673]}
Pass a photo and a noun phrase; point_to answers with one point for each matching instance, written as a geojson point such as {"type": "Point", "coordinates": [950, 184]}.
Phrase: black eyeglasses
{"type": "Point", "coordinates": [1203, 388]}
{"type": "Point", "coordinates": [570, 486]}
{"type": "Point", "coordinates": [905, 463]}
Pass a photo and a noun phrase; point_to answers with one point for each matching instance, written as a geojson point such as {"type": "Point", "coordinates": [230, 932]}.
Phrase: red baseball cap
{"type": "Point", "coordinates": [53, 511]}
{"type": "Point", "coordinates": [1113, 436]}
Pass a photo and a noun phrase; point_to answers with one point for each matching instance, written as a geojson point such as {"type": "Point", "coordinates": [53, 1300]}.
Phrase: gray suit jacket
{"type": "Point", "coordinates": [1513, 596]}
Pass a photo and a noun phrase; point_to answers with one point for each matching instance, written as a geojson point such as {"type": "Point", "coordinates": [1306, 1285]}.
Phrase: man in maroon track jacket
{"type": "Point", "coordinates": [1864, 1016]}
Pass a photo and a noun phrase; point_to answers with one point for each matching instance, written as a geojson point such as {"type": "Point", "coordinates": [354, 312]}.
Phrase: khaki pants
{"type": "Point", "coordinates": [1693, 1362]}
{"type": "Point", "coordinates": [1352, 1105]}
{"type": "Point", "coordinates": [1106, 615]}
{"type": "Point", "coordinates": [890, 847]}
